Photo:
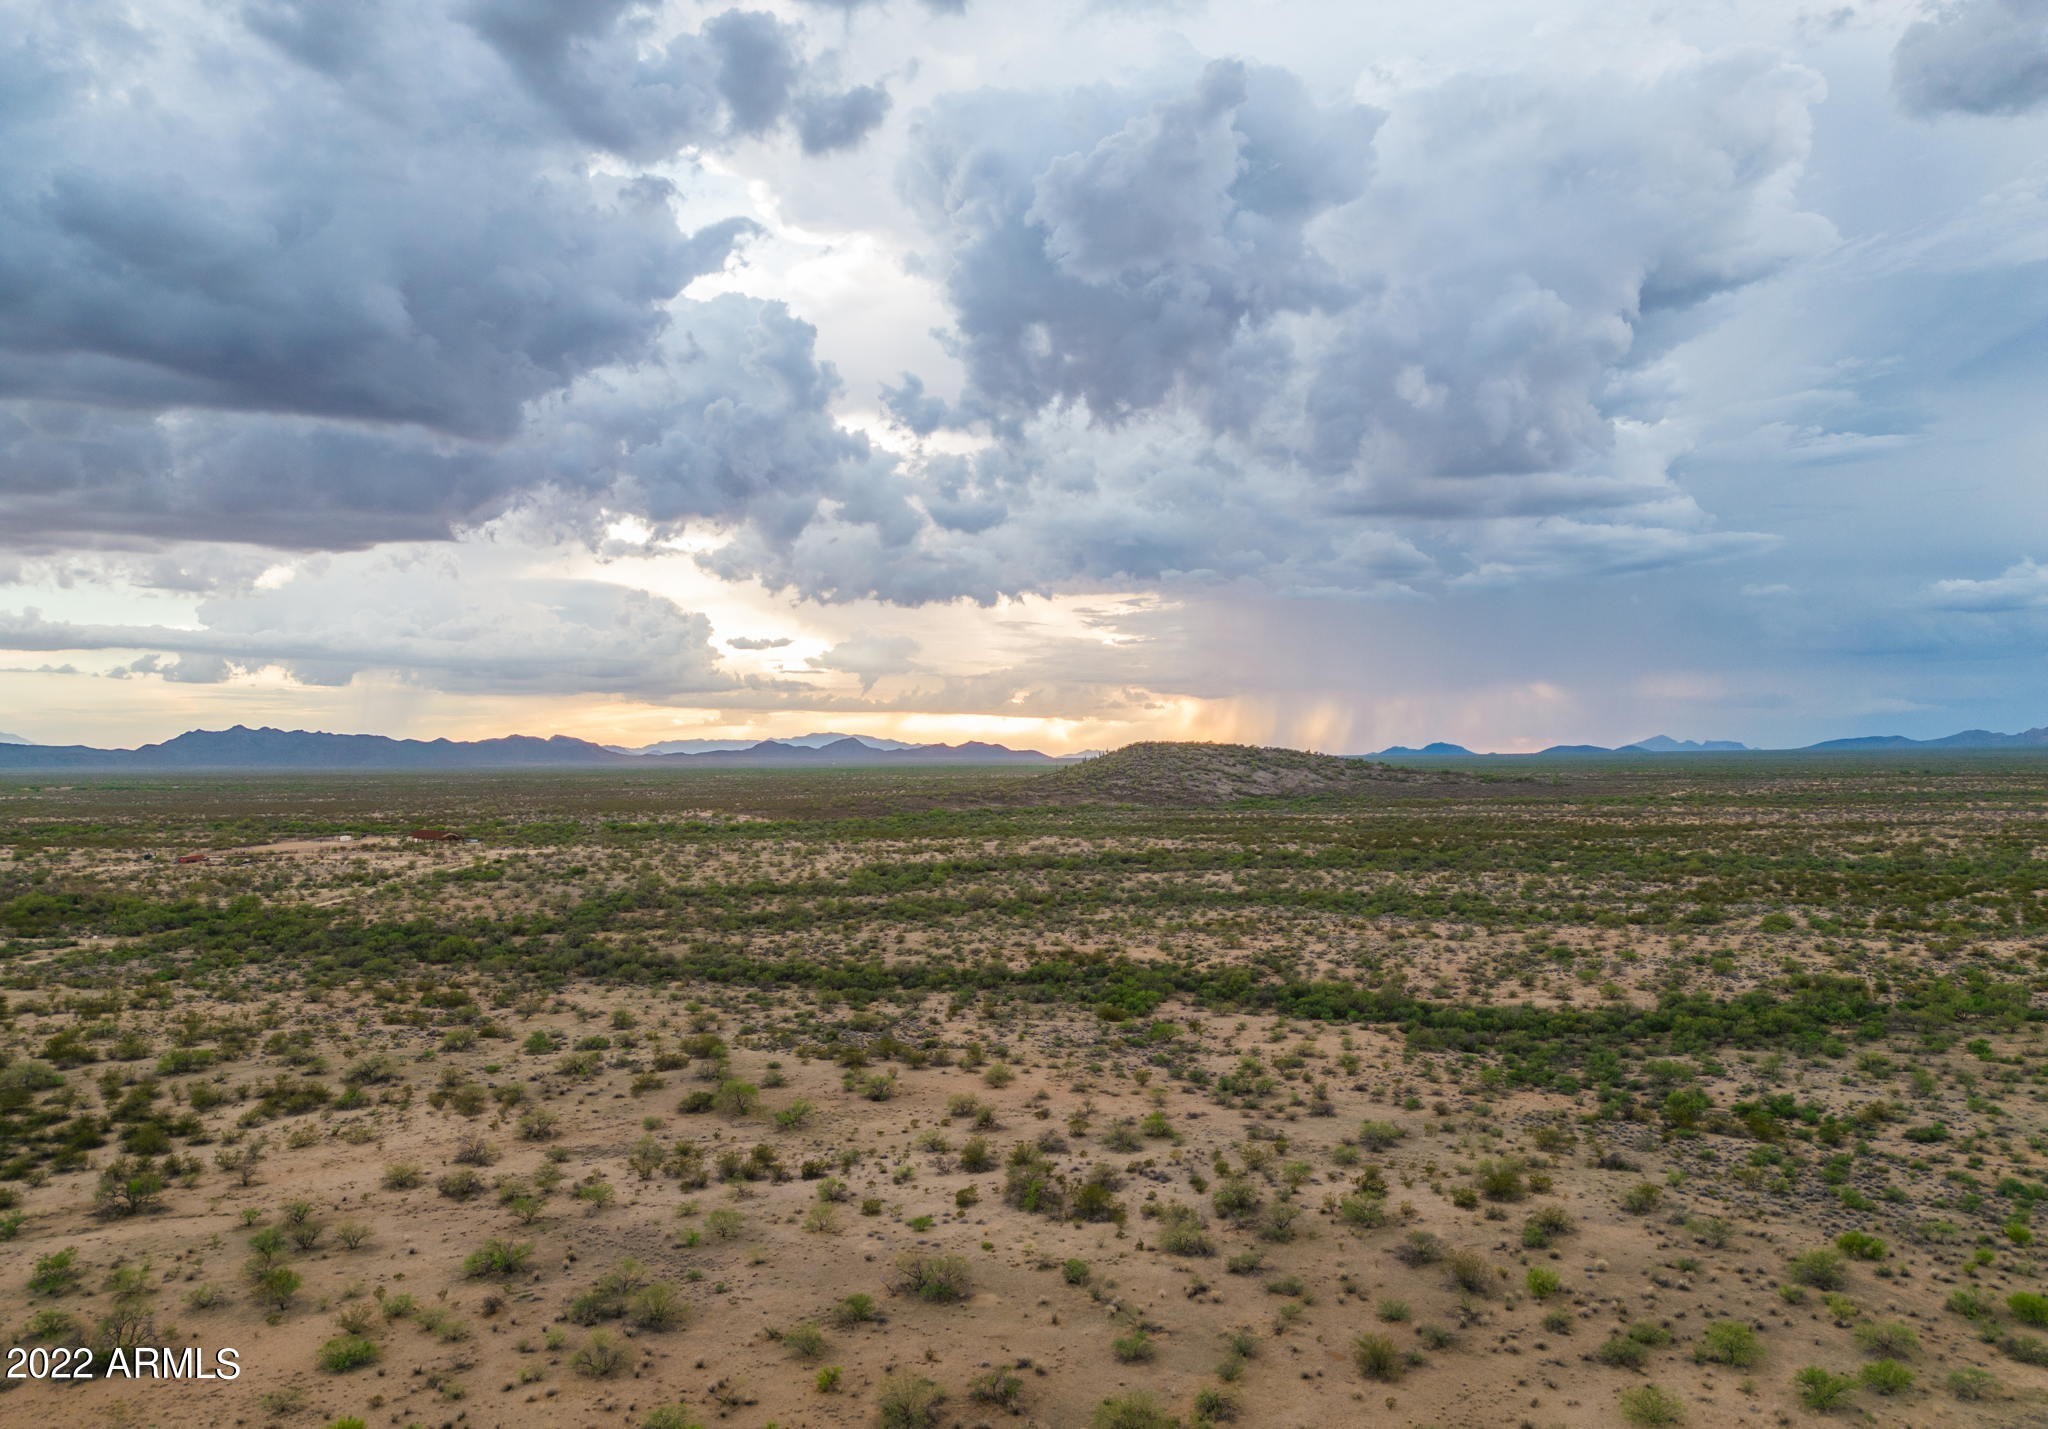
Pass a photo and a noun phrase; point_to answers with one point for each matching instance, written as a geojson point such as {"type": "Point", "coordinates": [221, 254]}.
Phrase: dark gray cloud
{"type": "Point", "coordinates": [1974, 57]}
{"type": "Point", "coordinates": [1225, 331]}
{"type": "Point", "coordinates": [326, 275]}
{"type": "Point", "coordinates": [423, 618]}
{"type": "Point", "coordinates": [1150, 259]}
{"type": "Point", "coordinates": [828, 122]}
{"type": "Point", "coordinates": [726, 418]}
{"type": "Point", "coordinates": [603, 67]}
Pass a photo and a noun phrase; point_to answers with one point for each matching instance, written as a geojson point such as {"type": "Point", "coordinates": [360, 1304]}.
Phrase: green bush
{"type": "Point", "coordinates": [498, 1257]}
{"type": "Point", "coordinates": [347, 1352]}
{"type": "Point", "coordinates": [1730, 1342]}
{"type": "Point", "coordinates": [602, 1356]}
{"type": "Point", "coordinates": [1860, 1245]}
{"type": "Point", "coordinates": [1542, 1282]}
{"type": "Point", "coordinates": [1648, 1405]}
{"type": "Point", "coordinates": [940, 1279]}
{"type": "Point", "coordinates": [1888, 1339]}
{"type": "Point", "coordinates": [1887, 1377]}
{"type": "Point", "coordinates": [1971, 1384]}
{"type": "Point", "coordinates": [908, 1401]}
{"type": "Point", "coordinates": [806, 1342]}
{"type": "Point", "coordinates": [1377, 1357]}
{"type": "Point", "coordinates": [1623, 1352]}
{"type": "Point", "coordinates": [1136, 1410]}
{"type": "Point", "coordinates": [1821, 1391]}
{"type": "Point", "coordinates": [2026, 1307]}
{"type": "Point", "coordinates": [1820, 1269]}
{"type": "Point", "coordinates": [854, 1310]}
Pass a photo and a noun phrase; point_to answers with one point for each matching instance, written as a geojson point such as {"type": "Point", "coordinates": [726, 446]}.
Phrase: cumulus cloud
{"type": "Point", "coordinates": [870, 658]}
{"type": "Point", "coordinates": [1974, 57]}
{"type": "Point", "coordinates": [1219, 330]}
{"type": "Point", "coordinates": [1153, 258]}
{"type": "Point", "coordinates": [2022, 586]}
{"type": "Point", "coordinates": [423, 615]}
{"type": "Point", "coordinates": [320, 275]}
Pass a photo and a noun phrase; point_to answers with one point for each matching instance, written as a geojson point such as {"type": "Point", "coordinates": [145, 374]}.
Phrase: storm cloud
{"type": "Point", "coordinates": [1975, 57]}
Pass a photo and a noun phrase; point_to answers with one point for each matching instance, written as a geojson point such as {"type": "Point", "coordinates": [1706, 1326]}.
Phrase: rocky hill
{"type": "Point", "coordinates": [1169, 772]}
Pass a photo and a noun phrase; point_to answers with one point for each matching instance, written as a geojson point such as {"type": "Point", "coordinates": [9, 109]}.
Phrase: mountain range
{"type": "Point", "coordinates": [726, 746]}
{"type": "Point", "coordinates": [1665, 744]}
{"type": "Point", "coordinates": [242, 748]}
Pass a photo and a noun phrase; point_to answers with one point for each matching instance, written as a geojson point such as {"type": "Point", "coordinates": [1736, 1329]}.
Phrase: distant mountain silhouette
{"type": "Point", "coordinates": [14, 739]}
{"type": "Point", "coordinates": [851, 751]}
{"type": "Point", "coordinates": [258, 750]}
{"type": "Point", "coordinates": [724, 746]}
{"type": "Point", "coordinates": [1967, 739]}
{"type": "Point", "coordinates": [1665, 744]}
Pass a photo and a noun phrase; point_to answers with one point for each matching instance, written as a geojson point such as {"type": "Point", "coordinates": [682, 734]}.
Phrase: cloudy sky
{"type": "Point", "coordinates": [1510, 372]}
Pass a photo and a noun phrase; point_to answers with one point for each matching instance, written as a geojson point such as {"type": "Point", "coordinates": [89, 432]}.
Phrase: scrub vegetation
{"type": "Point", "coordinates": [1205, 1087]}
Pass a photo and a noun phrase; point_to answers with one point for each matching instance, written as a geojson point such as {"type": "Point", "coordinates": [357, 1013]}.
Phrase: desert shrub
{"type": "Point", "coordinates": [854, 1310]}
{"type": "Point", "coordinates": [1377, 1357]}
{"type": "Point", "coordinates": [1641, 1198]}
{"type": "Point", "coordinates": [1075, 1272]}
{"type": "Point", "coordinates": [2027, 1349]}
{"type": "Point", "coordinates": [1888, 1339]}
{"type": "Point", "coordinates": [1971, 1304]}
{"type": "Point", "coordinates": [1971, 1384]}
{"type": "Point", "coordinates": [1363, 1212]}
{"type": "Point", "coordinates": [55, 1273]}
{"type": "Point", "coordinates": [1135, 1410]}
{"type": "Point", "coordinates": [806, 1342]}
{"type": "Point", "coordinates": [276, 1286]}
{"type": "Point", "coordinates": [1623, 1352]}
{"type": "Point", "coordinates": [602, 1356]}
{"type": "Point", "coordinates": [347, 1352]}
{"type": "Point", "coordinates": [1181, 1233]}
{"type": "Point", "coordinates": [463, 1185]}
{"type": "Point", "coordinates": [1501, 1178]}
{"type": "Point", "coordinates": [498, 1257]}
{"type": "Point", "coordinates": [1000, 1386]}
{"type": "Point", "coordinates": [1860, 1245]}
{"type": "Point", "coordinates": [1379, 1135]}
{"type": "Point", "coordinates": [1132, 1348]}
{"type": "Point", "coordinates": [1420, 1248]}
{"type": "Point", "coordinates": [1820, 1269]}
{"type": "Point", "coordinates": [2026, 1307]}
{"type": "Point", "coordinates": [1648, 1406]}
{"type": "Point", "coordinates": [1542, 1282]}
{"type": "Point", "coordinates": [941, 1279]}
{"type": "Point", "coordinates": [1470, 1271]}
{"type": "Point", "coordinates": [1730, 1342]}
{"type": "Point", "coordinates": [1546, 1224]}
{"type": "Point", "coordinates": [908, 1401]}
{"type": "Point", "coordinates": [658, 1307]}
{"type": "Point", "coordinates": [1820, 1390]}
{"type": "Point", "coordinates": [1887, 1377]}
{"type": "Point", "coordinates": [670, 1416]}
